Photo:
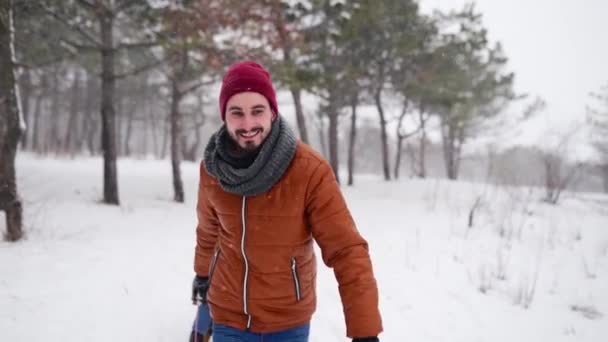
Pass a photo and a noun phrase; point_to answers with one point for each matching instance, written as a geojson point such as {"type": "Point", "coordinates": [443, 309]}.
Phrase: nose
{"type": "Point", "coordinates": [248, 121]}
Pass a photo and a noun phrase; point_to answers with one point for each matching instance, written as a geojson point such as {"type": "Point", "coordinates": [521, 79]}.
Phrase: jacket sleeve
{"type": "Point", "coordinates": [206, 230]}
{"type": "Point", "coordinates": [344, 250]}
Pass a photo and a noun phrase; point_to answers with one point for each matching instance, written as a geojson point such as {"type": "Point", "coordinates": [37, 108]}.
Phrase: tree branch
{"type": "Point", "coordinates": [407, 135]}
{"type": "Point", "coordinates": [140, 69]}
{"type": "Point", "coordinates": [194, 87]}
{"type": "Point", "coordinates": [125, 5]}
{"type": "Point", "coordinates": [80, 46]}
{"type": "Point", "coordinates": [45, 63]}
{"type": "Point", "coordinates": [87, 5]}
{"type": "Point", "coordinates": [137, 45]}
{"type": "Point", "coordinates": [73, 27]}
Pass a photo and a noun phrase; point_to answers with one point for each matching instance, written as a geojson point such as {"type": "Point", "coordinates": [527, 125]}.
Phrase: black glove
{"type": "Point", "coordinates": [199, 289]}
{"type": "Point", "coordinates": [366, 339]}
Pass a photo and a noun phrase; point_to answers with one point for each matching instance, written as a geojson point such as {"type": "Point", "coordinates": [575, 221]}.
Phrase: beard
{"type": "Point", "coordinates": [250, 148]}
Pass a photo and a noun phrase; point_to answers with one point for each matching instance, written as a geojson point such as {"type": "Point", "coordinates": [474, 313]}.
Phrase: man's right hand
{"type": "Point", "coordinates": [200, 285]}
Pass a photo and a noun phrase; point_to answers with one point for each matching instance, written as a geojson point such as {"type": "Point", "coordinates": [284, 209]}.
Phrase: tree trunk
{"type": "Point", "coordinates": [322, 139]}
{"type": "Point", "coordinates": [398, 154]}
{"type": "Point", "coordinates": [26, 95]}
{"type": "Point", "coordinates": [352, 140]}
{"type": "Point", "coordinates": [297, 101]}
{"type": "Point", "coordinates": [10, 126]}
{"type": "Point", "coordinates": [183, 145]}
{"type": "Point", "coordinates": [333, 140]}
{"type": "Point", "coordinates": [154, 129]}
{"type": "Point", "coordinates": [422, 146]}
{"type": "Point", "coordinates": [287, 45]}
{"type": "Point", "coordinates": [35, 131]}
{"type": "Point", "coordinates": [400, 137]}
{"type": "Point", "coordinates": [145, 111]}
{"type": "Point", "coordinates": [53, 142]}
{"type": "Point", "coordinates": [119, 100]}
{"type": "Point", "coordinates": [131, 108]}
{"type": "Point", "coordinates": [108, 116]}
{"type": "Point", "coordinates": [176, 127]}
{"type": "Point", "coordinates": [192, 151]}
{"type": "Point", "coordinates": [552, 165]}
{"type": "Point", "coordinates": [199, 122]}
{"type": "Point", "coordinates": [166, 127]}
{"type": "Point", "coordinates": [89, 123]}
{"type": "Point", "coordinates": [178, 187]}
{"type": "Point", "coordinates": [604, 169]}
{"type": "Point", "coordinates": [449, 148]}
{"type": "Point", "coordinates": [383, 136]}
{"type": "Point", "coordinates": [72, 129]}
{"type": "Point", "coordinates": [458, 150]}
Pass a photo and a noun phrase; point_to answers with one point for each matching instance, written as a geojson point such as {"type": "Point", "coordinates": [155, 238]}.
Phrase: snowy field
{"type": "Point", "coordinates": [525, 270]}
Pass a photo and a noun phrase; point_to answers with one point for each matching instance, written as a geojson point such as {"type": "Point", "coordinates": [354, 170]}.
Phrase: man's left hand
{"type": "Point", "coordinates": [200, 285]}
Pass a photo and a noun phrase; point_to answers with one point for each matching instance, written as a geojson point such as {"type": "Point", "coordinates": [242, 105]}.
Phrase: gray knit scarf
{"type": "Point", "coordinates": [274, 157]}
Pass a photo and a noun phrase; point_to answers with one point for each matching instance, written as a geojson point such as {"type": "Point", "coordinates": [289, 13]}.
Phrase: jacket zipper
{"type": "Point", "coordinates": [296, 279]}
{"type": "Point", "coordinates": [245, 308]}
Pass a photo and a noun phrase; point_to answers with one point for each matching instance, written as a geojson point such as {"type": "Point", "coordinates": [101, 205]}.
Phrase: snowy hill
{"type": "Point", "coordinates": [525, 270]}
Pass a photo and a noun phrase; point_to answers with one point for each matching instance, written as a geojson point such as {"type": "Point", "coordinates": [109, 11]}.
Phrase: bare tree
{"type": "Point", "coordinates": [10, 125]}
{"type": "Point", "coordinates": [559, 173]}
{"type": "Point", "coordinates": [403, 136]}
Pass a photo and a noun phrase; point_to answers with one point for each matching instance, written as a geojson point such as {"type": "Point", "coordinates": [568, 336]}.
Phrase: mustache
{"type": "Point", "coordinates": [254, 129]}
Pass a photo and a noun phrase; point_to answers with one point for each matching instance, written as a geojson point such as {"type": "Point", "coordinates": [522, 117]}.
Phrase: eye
{"type": "Point", "coordinates": [237, 113]}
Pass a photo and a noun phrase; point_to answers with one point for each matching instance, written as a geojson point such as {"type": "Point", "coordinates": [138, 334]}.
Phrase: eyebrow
{"type": "Point", "coordinates": [258, 106]}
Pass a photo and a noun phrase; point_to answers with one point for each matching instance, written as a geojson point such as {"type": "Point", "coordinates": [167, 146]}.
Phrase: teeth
{"type": "Point", "coordinates": [249, 135]}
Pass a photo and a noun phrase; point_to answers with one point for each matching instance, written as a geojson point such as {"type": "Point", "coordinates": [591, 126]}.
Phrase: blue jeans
{"type": "Point", "coordinates": [223, 333]}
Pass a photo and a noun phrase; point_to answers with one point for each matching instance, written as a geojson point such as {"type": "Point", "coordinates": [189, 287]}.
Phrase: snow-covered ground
{"type": "Point", "coordinates": [525, 271]}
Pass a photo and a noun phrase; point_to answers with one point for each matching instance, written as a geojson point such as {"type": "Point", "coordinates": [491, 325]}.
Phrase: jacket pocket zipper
{"type": "Point", "coordinates": [213, 265]}
{"type": "Point", "coordinates": [296, 279]}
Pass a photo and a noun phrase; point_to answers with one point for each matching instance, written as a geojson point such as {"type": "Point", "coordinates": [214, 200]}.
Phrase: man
{"type": "Point", "coordinates": [263, 197]}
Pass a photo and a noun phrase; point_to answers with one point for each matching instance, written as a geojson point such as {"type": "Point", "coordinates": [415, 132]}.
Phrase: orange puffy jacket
{"type": "Point", "coordinates": [259, 257]}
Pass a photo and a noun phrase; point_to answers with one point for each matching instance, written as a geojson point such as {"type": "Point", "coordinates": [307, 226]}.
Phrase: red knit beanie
{"type": "Point", "coordinates": [247, 76]}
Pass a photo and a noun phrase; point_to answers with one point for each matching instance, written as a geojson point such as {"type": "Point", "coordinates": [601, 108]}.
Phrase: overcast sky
{"type": "Point", "coordinates": [557, 48]}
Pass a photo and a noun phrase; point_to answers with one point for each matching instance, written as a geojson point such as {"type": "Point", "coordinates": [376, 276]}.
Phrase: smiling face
{"type": "Point", "coordinates": [248, 119]}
